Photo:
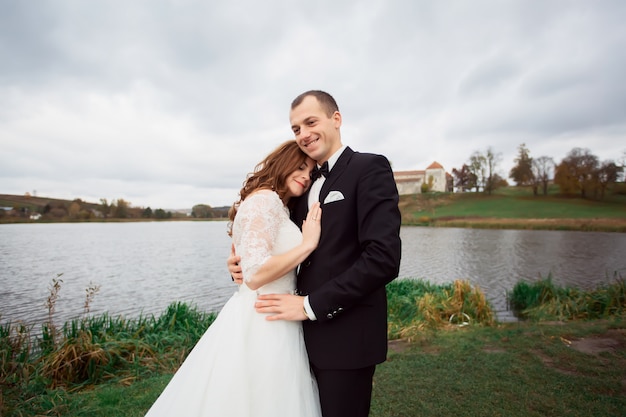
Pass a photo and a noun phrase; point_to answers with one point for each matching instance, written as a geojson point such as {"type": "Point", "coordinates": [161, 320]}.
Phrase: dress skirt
{"type": "Point", "coordinates": [242, 366]}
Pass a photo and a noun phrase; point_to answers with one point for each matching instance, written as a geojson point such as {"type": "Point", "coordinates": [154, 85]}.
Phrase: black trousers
{"type": "Point", "coordinates": [345, 393]}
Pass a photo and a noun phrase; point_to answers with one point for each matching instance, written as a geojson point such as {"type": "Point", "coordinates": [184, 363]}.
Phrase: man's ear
{"type": "Point", "coordinates": [337, 119]}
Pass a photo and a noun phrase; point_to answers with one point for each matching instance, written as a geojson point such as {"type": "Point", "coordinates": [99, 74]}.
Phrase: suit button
{"type": "Point", "coordinates": [329, 315]}
{"type": "Point", "coordinates": [339, 310]}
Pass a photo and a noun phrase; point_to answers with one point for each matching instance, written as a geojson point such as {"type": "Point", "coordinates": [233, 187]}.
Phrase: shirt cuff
{"type": "Point", "coordinates": [308, 309]}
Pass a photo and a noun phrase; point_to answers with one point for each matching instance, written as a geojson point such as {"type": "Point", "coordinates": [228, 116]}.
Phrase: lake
{"type": "Point", "coordinates": [143, 267]}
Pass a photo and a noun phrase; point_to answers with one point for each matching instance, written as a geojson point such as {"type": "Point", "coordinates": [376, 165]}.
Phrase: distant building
{"type": "Point", "coordinates": [410, 182]}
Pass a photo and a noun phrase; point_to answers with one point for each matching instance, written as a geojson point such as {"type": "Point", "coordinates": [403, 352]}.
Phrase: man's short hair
{"type": "Point", "coordinates": [327, 101]}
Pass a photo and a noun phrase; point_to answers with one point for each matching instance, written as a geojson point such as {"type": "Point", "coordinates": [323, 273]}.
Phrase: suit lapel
{"type": "Point", "coordinates": [336, 172]}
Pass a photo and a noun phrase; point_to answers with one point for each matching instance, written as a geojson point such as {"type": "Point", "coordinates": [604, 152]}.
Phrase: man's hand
{"type": "Point", "coordinates": [233, 266]}
{"type": "Point", "coordinates": [281, 307]}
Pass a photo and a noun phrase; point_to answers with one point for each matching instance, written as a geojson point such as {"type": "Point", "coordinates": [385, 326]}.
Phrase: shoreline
{"type": "Point", "coordinates": [615, 225]}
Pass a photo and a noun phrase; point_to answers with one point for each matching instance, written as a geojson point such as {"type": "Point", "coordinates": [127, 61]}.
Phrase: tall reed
{"type": "Point", "coordinates": [92, 349]}
{"type": "Point", "coordinates": [415, 305]}
{"type": "Point", "coordinates": [49, 328]}
{"type": "Point", "coordinates": [543, 300]}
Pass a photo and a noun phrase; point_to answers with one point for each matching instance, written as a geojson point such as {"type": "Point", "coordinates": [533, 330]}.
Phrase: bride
{"type": "Point", "coordinates": [245, 365]}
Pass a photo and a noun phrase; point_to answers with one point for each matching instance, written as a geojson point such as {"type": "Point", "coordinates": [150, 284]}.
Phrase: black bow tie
{"type": "Point", "coordinates": [318, 172]}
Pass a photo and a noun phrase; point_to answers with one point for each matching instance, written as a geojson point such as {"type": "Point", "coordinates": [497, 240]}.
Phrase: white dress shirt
{"type": "Point", "coordinates": [316, 187]}
{"type": "Point", "coordinates": [314, 196]}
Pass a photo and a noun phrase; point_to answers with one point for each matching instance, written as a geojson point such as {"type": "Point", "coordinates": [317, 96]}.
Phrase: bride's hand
{"type": "Point", "coordinates": [233, 266]}
{"type": "Point", "coordinates": [312, 227]}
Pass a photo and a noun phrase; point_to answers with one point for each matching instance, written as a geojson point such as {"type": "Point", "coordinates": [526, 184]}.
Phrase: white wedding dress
{"type": "Point", "coordinates": [245, 365]}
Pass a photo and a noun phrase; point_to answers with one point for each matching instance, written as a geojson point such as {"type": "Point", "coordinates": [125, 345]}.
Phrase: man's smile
{"type": "Point", "coordinates": [313, 141]}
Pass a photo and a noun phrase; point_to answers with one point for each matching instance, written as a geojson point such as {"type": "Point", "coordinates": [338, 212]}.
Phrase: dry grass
{"type": "Point", "coordinates": [604, 224]}
{"type": "Point", "coordinates": [456, 305]}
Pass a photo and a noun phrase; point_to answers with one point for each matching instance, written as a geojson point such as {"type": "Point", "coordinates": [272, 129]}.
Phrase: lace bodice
{"type": "Point", "coordinates": [262, 228]}
{"type": "Point", "coordinates": [241, 345]}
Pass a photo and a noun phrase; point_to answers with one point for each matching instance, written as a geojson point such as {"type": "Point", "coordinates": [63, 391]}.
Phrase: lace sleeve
{"type": "Point", "coordinates": [255, 229]}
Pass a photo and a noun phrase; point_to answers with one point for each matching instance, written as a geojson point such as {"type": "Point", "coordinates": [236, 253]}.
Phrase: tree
{"type": "Point", "coordinates": [498, 181]}
{"type": "Point", "coordinates": [543, 168]}
{"type": "Point", "coordinates": [522, 172]}
{"type": "Point", "coordinates": [427, 186]}
{"type": "Point", "coordinates": [147, 213]}
{"type": "Point", "coordinates": [607, 174]}
{"type": "Point", "coordinates": [120, 210]}
{"type": "Point", "coordinates": [105, 208]}
{"type": "Point", "coordinates": [162, 214]}
{"type": "Point", "coordinates": [492, 160]}
{"type": "Point", "coordinates": [621, 162]}
{"type": "Point", "coordinates": [202, 211]}
{"type": "Point", "coordinates": [478, 168]}
{"type": "Point", "coordinates": [576, 172]}
{"type": "Point", "coordinates": [74, 210]}
{"type": "Point", "coordinates": [464, 178]}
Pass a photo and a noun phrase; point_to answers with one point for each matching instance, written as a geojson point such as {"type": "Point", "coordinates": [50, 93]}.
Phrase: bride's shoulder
{"type": "Point", "coordinates": [262, 197]}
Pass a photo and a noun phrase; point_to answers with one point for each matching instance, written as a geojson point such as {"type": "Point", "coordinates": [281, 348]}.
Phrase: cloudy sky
{"type": "Point", "coordinates": [171, 103]}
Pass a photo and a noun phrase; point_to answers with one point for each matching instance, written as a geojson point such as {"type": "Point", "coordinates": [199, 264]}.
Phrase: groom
{"type": "Point", "coordinates": [341, 286]}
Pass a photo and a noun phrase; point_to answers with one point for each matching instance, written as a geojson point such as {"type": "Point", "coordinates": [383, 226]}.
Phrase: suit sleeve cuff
{"type": "Point", "coordinates": [309, 311]}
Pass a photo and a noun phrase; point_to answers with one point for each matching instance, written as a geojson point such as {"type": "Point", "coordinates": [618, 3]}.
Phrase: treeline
{"type": "Point", "coordinates": [580, 173]}
{"type": "Point", "coordinates": [204, 211]}
{"type": "Point", "coordinates": [121, 209]}
{"type": "Point", "coordinates": [35, 208]}
{"type": "Point", "coordinates": [29, 208]}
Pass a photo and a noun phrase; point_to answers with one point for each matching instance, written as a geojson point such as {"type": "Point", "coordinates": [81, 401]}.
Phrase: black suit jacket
{"type": "Point", "coordinates": [358, 254]}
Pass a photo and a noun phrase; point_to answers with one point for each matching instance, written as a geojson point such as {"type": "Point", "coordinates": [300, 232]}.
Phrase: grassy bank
{"type": "Point", "coordinates": [514, 208]}
{"type": "Point", "coordinates": [41, 369]}
{"type": "Point", "coordinates": [448, 356]}
{"type": "Point", "coordinates": [523, 369]}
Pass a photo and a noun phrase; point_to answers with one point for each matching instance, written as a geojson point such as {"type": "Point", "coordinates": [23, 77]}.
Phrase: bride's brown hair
{"type": "Point", "coordinates": [270, 174]}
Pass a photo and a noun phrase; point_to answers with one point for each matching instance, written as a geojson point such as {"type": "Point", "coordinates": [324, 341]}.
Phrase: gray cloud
{"type": "Point", "coordinates": [171, 103]}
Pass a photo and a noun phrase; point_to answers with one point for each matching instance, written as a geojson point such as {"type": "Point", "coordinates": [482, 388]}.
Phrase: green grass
{"type": "Point", "coordinates": [520, 206]}
{"type": "Point", "coordinates": [104, 366]}
{"type": "Point", "coordinates": [511, 370]}
{"type": "Point", "coordinates": [415, 305]}
{"type": "Point", "coordinates": [516, 208]}
{"type": "Point", "coordinates": [522, 369]}
{"type": "Point", "coordinates": [542, 300]}
{"type": "Point", "coordinates": [499, 206]}
{"type": "Point", "coordinates": [39, 371]}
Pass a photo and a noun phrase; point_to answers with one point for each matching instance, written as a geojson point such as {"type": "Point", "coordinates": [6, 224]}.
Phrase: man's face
{"type": "Point", "coordinates": [316, 133]}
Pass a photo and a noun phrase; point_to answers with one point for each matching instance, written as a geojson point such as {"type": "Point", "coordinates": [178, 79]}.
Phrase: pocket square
{"type": "Point", "coordinates": [333, 196]}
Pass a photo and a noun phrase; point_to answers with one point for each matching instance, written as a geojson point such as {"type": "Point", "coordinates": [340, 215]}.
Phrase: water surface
{"type": "Point", "coordinates": [142, 267]}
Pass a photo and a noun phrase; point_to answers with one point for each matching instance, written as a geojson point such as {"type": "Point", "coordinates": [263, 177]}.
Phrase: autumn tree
{"type": "Point", "coordinates": [464, 178]}
{"type": "Point", "coordinates": [426, 187]}
{"type": "Point", "coordinates": [74, 210]}
{"type": "Point", "coordinates": [576, 172]}
{"type": "Point", "coordinates": [105, 208]}
{"type": "Point", "coordinates": [202, 211]}
{"type": "Point", "coordinates": [492, 160]}
{"type": "Point", "coordinates": [483, 168]}
{"type": "Point", "coordinates": [608, 173]}
{"type": "Point", "coordinates": [120, 208]}
{"type": "Point", "coordinates": [478, 168]}
{"type": "Point", "coordinates": [543, 168]}
{"type": "Point", "coordinates": [522, 172]}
